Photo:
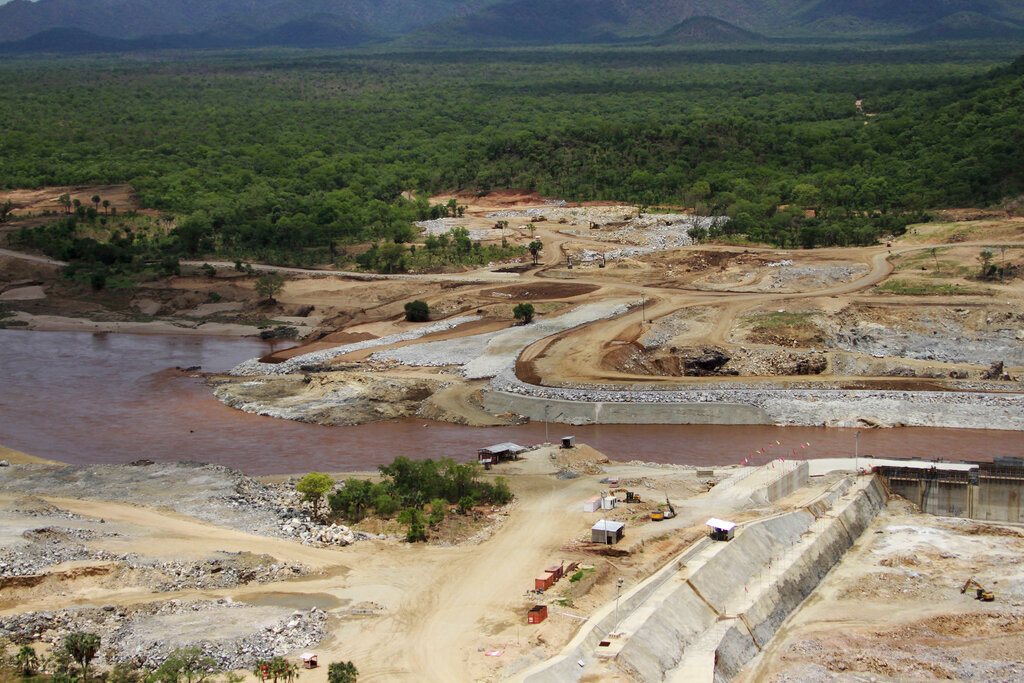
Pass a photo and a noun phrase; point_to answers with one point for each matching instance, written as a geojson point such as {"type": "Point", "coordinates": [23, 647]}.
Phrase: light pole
{"type": "Point", "coordinates": [856, 450]}
{"type": "Point", "coordinates": [546, 439]}
{"type": "Point", "coordinates": [618, 590]}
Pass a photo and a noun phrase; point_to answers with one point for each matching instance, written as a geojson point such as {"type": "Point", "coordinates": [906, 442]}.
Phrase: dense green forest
{"type": "Point", "coordinates": [288, 157]}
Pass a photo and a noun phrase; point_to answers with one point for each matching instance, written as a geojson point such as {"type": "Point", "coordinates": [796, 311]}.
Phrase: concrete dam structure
{"type": "Point", "coordinates": [989, 491]}
{"type": "Point", "coordinates": [711, 609]}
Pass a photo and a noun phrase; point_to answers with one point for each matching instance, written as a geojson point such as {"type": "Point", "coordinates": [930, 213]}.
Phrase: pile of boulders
{"type": "Point", "coordinates": [49, 546]}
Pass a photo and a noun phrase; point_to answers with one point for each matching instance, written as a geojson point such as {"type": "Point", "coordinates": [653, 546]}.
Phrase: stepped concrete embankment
{"type": "Point", "coordinates": [713, 608]}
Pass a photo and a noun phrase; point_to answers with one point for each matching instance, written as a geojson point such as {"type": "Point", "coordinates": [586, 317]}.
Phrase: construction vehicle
{"type": "Point", "coordinates": [659, 515]}
{"type": "Point", "coordinates": [980, 592]}
{"type": "Point", "coordinates": [630, 496]}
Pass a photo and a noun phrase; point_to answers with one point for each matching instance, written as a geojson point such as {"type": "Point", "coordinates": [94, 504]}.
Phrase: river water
{"type": "Point", "coordinates": [81, 397]}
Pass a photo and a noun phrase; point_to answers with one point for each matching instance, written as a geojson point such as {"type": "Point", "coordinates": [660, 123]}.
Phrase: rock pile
{"type": "Point", "coordinates": [129, 634]}
{"type": "Point", "coordinates": [253, 367]}
{"type": "Point", "coordinates": [50, 546]}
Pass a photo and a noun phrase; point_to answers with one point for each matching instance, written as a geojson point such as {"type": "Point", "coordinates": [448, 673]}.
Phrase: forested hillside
{"type": "Point", "coordinates": [285, 158]}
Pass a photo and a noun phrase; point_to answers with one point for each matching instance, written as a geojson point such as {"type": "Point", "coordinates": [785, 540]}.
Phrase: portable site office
{"type": "Point", "coordinates": [607, 532]}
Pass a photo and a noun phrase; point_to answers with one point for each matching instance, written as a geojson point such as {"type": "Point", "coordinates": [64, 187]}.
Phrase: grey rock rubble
{"type": "Point", "coordinates": [253, 367]}
{"type": "Point", "coordinates": [236, 635]}
{"type": "Point", "coordinates": [816, 407]}
{"type": "Point", "coordinates": [212, 493]}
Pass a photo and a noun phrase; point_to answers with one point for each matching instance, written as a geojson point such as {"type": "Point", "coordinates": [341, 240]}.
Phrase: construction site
{"type": "Point", "coordinates": [597, 571]}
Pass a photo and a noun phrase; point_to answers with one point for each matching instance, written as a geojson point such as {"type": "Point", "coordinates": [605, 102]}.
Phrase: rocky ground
{"type": "Point", "coordinates": [235, 635]}
{"type": "Point", "coordinates": [213, 493]}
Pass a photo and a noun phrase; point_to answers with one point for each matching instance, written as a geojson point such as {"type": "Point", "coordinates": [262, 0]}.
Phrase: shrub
{"type": "Point", "coordinates": [342, 672]}
{"type": "Point", "coordinates": [417, 311]}
{"type": "Point", "coordinates": [524, 312]}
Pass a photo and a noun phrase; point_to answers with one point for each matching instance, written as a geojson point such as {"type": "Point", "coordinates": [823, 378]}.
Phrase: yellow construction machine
{"type": "Point", "coordinates": [981, 593]}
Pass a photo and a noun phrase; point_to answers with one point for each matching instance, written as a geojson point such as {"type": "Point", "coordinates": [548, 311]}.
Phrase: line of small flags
{"type": "Point", "coordinates": [764, 451]}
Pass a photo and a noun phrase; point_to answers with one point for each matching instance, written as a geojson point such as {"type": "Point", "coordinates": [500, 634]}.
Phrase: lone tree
{"type": "Point", "coordinates": [82, 647]}
{"type": "Point", "coordinates": [417, 311]}
{"type": "Point", "coordinates": [342, 672]}
{"type": "Point", "coordinates": [269, 285]}
{"type": "Point", "coordinates": [27, 661]}
{"type": "Point", "coordinates": [524, 312]}
{"type": "Point", "coordinates": [313, 486]}
{"type": "Point", "coordinates": [535, 248]}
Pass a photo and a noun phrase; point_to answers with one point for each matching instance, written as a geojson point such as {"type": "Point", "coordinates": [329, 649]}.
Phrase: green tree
{"type": "Point", "coordinates": [342, 672]}
{"type": "Point", "coordinates": [524, 312]}
{"type": "Point", "coordinates": [269, 285]}
{"type": "Point", "coordinates": [96, 201]}
{"type": "Point", "coordinates": [466, 504]}
{"type": "Point", "coordinates": [417, 311]}
{"type": "Point", "coordinates": [65, 201]}
{"type": "Point", "coordinates": [106, 206]}
{"type": "Point", "coordinates": [988, 268]}
{"type": "Point", "coordinates": [535, 247]}
{"type": "Point", "coordinates": [26, 661]}
{"type": "Point", "coordinates": [438, 510]}
{"type": "Point", "coordinates": [82, 648]}
{"type": "Point", "coordinates": [312, 487]}
{"type": "Point", "coordinates": [414, 519]}
{"type": "Point", "coordinates": [5, 210]}
{"type": "Point", "coordinates": [185, 665]}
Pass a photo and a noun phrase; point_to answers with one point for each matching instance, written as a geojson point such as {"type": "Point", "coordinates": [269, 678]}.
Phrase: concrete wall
{"type": "Point", "coordinates": [998, 500]}
{"type": "Point", "coordinates": [564, 667]}
{"type": "Point", "coordinates": [993, 499]}
{"type": "Point", "coordinates": [581, 413]}
{"type": "Point", "coordinates": [678, 608]}
{"type": "Point", "coordinates": [788, 483]}
{"type": "Point", "coordinates": [771, 609]}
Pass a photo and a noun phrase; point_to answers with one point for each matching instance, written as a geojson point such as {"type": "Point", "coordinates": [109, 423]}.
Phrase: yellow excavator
{"type": "Point", "coordinates": [981, 593]}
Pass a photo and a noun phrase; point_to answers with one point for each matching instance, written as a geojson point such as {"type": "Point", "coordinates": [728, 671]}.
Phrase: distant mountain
{"type": "Point", "coordinates": [136, 18]}
{"type": "Point", "coordinates": [324, 30]}
{"type": "Point", "coordinates": [455, 23]}
{"type": "Point", "coordinates": [528, 22]}
{"type": "Point", "coordinates": [968, 26]}
{"type": "Point", "coordinates": [319, 30]}
{"type": "Point", "coordinates": [896, 16]}
{"type": "Point", "coordinates": [703, 30]}
{"type": "Point", "coordinates": [581, 21]}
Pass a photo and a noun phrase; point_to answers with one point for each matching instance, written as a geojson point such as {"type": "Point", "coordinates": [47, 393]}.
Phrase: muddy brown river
{"type": "Point", "coordinates": [81, 397]}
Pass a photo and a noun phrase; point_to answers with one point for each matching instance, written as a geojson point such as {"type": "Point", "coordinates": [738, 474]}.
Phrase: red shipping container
{"type": "Point", "coordinates": [542, 583]}
{"type": "Point", "coordinates": [537, 614]}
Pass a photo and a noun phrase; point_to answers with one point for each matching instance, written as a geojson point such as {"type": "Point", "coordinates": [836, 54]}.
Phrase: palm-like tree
{"type": "Point", "coordinates": [26, 660]}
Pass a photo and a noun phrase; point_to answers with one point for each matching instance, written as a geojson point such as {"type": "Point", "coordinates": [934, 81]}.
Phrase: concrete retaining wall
{"type": "Point", "coordinates": [771, 609]}
{"type": "Point", "coordinates": [998, 500]}
{"type": "Point", "coordinates": [992, 499]}
{"type": "Point", "coordinates": [676, 608]}
{"type": "Point", "coordinates": [788, 483]}
{"type": "Point", "coordinates": [585, 412]}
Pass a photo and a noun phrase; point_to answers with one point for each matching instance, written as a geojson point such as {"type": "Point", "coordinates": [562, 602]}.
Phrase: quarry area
{"type": "Point", "coordinates": [637, 317]}
{"type": "Point", "coordinates": [596, 571]}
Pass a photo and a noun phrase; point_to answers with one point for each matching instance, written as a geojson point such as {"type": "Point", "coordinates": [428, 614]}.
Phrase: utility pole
{"type": "Point", "coordinates": [546, 439]}
{"type": "Point", "coordinates": [856, 450]}
{"type": "Point", "coordinates": [618, 590]}
{"type": "Point", "coordinates": [643, 309]}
